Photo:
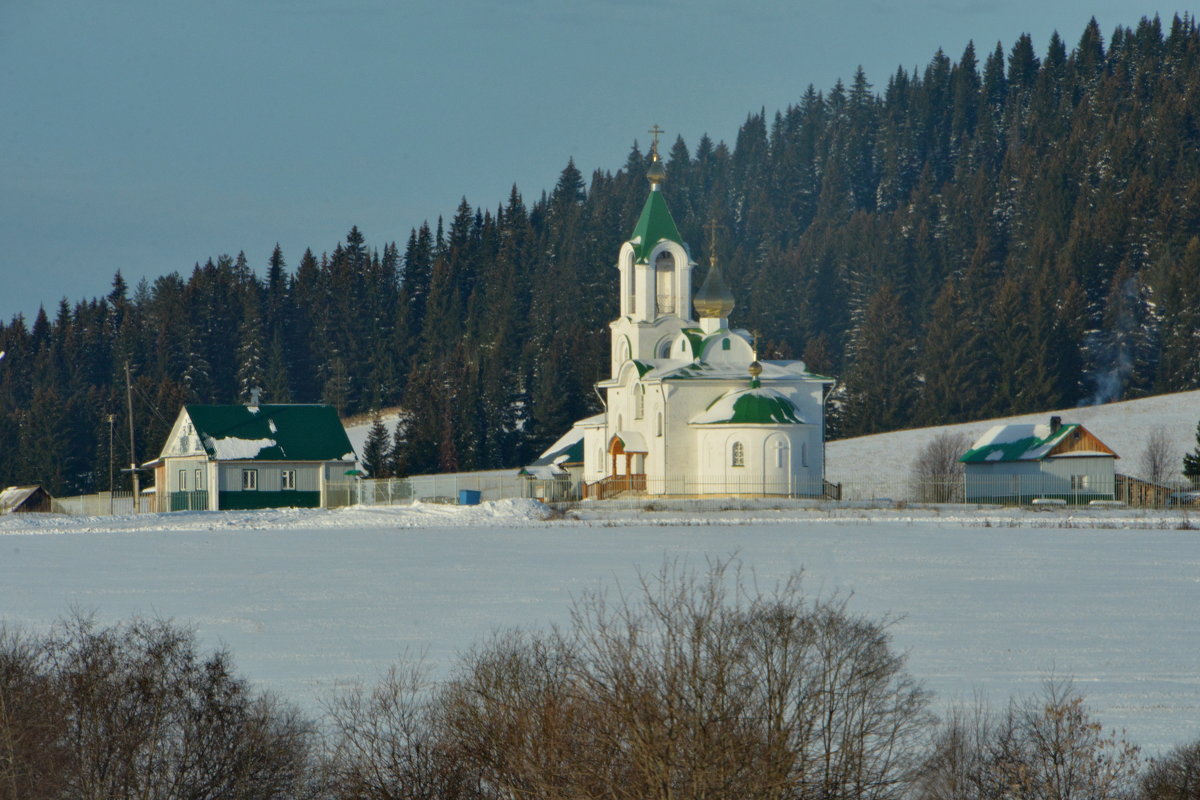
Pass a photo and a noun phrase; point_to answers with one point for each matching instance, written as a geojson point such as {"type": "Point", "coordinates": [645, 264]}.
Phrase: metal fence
{"type": "Point", "coordinates": [698, 493]}
{"type": "Point", "coordinates": [499, 484]}
{"type": "Point", "coordinates": [98, 505]}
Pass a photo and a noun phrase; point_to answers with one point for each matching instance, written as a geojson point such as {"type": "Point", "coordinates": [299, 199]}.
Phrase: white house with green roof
{"type": "Point", "coordinates": [254, 456]}
{"type": "Point", "coordinates": [689, 408]}
{"type": "Point", "coordinates": [1020, 463]}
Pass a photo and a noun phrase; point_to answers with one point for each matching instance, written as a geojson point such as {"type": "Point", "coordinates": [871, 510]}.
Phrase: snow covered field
{"type": "Point", "coordinates": [984, 600]}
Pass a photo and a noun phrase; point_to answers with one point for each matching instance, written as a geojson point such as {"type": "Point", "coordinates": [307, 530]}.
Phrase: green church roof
{"type": "Point", "coordinates": [653, 226]}
{"type": "Point", "coordinates": [753, 406]}
{"type": "Point", "coordinates": [271, 433]}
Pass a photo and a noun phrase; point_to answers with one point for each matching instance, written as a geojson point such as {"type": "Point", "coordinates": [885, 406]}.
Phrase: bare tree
{"type": "Point", "coordinates": [134, 711]}
{"type": "Point", "coordinates": [31, 751]}
{"type": "Point", "coordinates": [1044, 748]}
{"type": "Point", "coordinates": [1159, 458]}
{"type": "Point", "coordinates": [693, 686]}
{"type": "Point", "coordinates": [385, 744]}
{"type": "Point", "coordinates": [1176, 776]}
{"type": "Point", "coordinates": [937, 474]}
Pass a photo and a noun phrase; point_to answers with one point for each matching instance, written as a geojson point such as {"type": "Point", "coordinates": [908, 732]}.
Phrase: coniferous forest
{"type": "Point", "coordinates": [1012, 230]}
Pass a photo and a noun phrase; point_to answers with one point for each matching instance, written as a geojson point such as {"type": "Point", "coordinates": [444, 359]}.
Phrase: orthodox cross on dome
{"type": "Point", "coordinates": [655, 132]}
{"type": "Point", "coordinates": [656, 174]}
{"type": "Point", "coordinates": [712, 241]}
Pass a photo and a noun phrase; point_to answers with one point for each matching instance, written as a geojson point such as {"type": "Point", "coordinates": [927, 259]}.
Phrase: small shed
{"type": "Point", "coordinates": [25, 499]}
{"type": "Point", "coordinates": [1021, 463]}
{"type": "Point", "coordinates": [558, 471]}
{"type": "Point", "coordinates": [255, 456]}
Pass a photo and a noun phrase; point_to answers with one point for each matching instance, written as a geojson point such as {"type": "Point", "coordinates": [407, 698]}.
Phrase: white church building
{"type": "Point", "coordinates": [689, 408]}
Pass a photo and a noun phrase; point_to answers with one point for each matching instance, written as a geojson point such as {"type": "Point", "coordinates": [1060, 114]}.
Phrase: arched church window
{"type": "Point", "coordinates": [664, 282]}
{"type": "Point", "coordinates": [781, 454]}
{"type": "Point", "coordinates": [725, 343]}
{"type": "Point", "coordinates": [639, 402]}
{"type": "Point", "coordinates": [804, 454]}
{"type": "Point", "coordinates": [737, 455]}
{"type": "Point", "coordinates": [660, 425]}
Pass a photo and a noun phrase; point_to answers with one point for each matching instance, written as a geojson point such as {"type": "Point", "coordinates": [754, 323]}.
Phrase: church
{"type": "Point", "coordinates": [690, 409]}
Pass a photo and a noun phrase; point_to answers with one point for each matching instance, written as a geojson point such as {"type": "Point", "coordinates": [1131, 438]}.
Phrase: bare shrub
{"type": "Point", "coordinates": [134, 711]}
{"type": "Point", "coordinates": [384, 743]}
{"type": "Point", "coordinates": [1047, 747]}
{"type": "Point", "coordinates": [1159, 457]}
{"type": "Point", "coordinates": [1176, 776]}
{"type": "Point", "coordinates": [937, 474]}
{"type": "Point", "coordinates": [694, 686]}
{"type": "Point", "coordinates": [31, 750]}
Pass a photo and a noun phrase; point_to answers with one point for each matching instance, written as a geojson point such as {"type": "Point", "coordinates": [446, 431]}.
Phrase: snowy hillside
{"type": "Point", "coordinates": [1122, 426]}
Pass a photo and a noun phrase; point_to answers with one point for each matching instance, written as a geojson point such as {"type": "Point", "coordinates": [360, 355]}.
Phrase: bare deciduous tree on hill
{"type": "Point", "coordinates": [1159, 459]}
{"type": "Point", "coordinates": [936, 472]}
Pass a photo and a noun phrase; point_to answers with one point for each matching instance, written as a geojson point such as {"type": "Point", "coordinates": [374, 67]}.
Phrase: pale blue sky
{"type": "Point", "coordinates": [147, 135]}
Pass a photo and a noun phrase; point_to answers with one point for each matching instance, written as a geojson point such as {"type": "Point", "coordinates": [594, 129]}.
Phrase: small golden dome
{"type": "Point", "coordinates": [755, 369]}
{"type": "Point", "coordinates": [656, 174]}
{"type": "Point", "coordinates": [714, 300]}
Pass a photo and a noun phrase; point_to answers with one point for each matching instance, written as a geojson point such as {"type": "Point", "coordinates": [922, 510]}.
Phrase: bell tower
{"type": "Point", "coordinates": [655, 276]}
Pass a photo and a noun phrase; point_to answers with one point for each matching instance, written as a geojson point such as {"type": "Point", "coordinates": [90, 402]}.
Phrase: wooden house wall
{"type": "Point", "coordinates": [270, 475]}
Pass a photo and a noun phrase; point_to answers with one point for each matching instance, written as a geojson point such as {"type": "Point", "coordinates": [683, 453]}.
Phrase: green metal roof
{"type": "Point", "coordinates": [271, 433]}
{"type": "Point", "coordinates": [653, 226]}
{"type": "Point", "coordinates": [1016, 443]}
{"type": "Point", "coordinates": [752, 406]}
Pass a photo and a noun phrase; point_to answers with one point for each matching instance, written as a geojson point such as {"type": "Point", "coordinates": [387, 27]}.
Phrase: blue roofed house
{"type": "Point", "coordinates": [1021, 463]}
{"type": "Point", "coordinates": [253, 456]}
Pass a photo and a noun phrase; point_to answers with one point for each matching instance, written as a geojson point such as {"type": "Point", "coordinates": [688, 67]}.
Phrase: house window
{"type": "Point", "coordinates": [183, 480]}
{"type": "Point", "coordinates": [1079, 483]}
{"type": "Point", "coordinates": [199, 481]}
{"type": "Point", "coordinates": [289, 479]}
{"type": "Point", "coordinates": [737, 456]}
{"type": "Point", "coordinates": [249, 480]}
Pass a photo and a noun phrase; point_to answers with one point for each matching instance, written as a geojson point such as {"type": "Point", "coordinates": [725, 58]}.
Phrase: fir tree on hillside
{"type": "Point", "coordinates": [1191, 461]}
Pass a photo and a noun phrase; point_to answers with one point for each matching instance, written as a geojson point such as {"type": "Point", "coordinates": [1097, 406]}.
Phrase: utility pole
{"type": "Point", "coordinates": [112, 418]}
{"type": "Point", "coordinates": [133, 467]}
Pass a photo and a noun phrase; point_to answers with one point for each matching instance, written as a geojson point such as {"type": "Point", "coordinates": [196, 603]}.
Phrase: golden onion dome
{"type": "Point", "coordinates": [714, 300]}
{"type": "Point", "coordinates": [755, 369]}
{"type": "Point", "coordinates": [656, 174]}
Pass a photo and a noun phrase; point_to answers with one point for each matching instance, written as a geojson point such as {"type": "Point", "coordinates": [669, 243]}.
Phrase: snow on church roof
{"type": "Point", "coordinates": [753, 406]}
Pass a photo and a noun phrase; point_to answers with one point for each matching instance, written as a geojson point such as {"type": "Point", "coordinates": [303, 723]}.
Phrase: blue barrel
{"type": "Point", "coordinates": [468, 497]}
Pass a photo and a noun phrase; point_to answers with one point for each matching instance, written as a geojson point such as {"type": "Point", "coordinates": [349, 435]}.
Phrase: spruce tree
{"type": "Point", "coordinates": [375, 450]}
{"type": "Point", "coordinates": [1191, 461]}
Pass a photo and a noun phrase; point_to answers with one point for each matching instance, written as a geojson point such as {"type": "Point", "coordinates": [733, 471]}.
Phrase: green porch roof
{"type": "Point", "coordinates": [653, 226]}
{"type": "Point", "coordinates": [271, 433]}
